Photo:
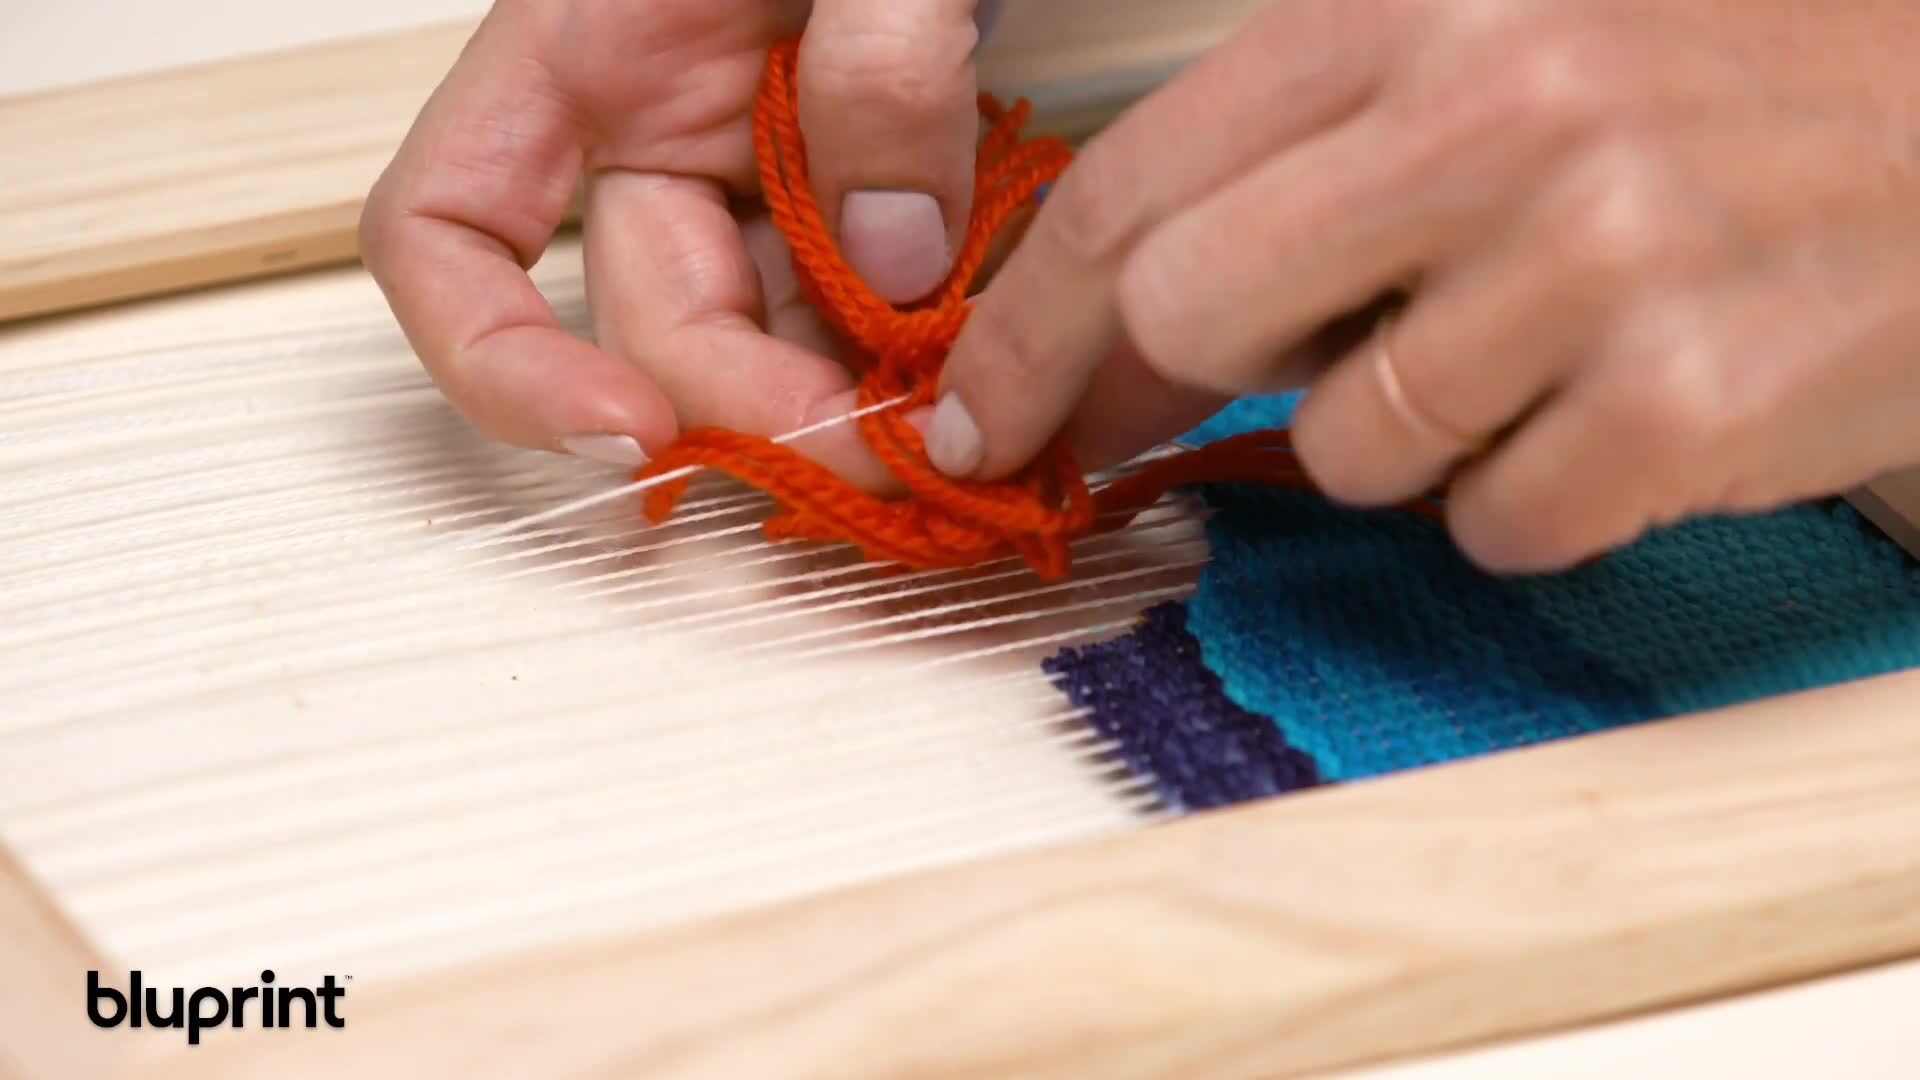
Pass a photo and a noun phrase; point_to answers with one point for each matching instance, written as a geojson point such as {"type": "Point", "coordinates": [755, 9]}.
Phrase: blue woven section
{"type": "Point", "coordinates": [1148, 693]}
{"type": "Point", "coordinates": [1376, 647]}
{"type": "Point", "coordinates": [1246, 414]}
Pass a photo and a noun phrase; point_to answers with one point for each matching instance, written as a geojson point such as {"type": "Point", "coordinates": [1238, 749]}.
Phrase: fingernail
{"type": "Point", "coordinates": [953, 439]}
{"type": "Point", "coordinates": [896, 241]}
{"type": "Point", "coordinates": [612, 449]}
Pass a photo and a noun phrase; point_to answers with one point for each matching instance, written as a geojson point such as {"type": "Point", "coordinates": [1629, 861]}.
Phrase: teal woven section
{"type": "Point", "coordinates": [1376, 647]}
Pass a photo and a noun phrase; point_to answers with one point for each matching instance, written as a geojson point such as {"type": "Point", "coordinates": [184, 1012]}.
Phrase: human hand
{"type": "Point", "coordinates": [695, 312]}
{"type": "Point", "coordinates": [1658, 260]}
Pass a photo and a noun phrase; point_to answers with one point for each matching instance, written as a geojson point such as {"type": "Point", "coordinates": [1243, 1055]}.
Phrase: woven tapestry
{"type": "Point", "coordinates": [1326, 644]}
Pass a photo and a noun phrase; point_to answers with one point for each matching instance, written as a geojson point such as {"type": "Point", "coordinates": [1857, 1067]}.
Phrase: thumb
{"type": "Point", "coordinates": [889, 108]}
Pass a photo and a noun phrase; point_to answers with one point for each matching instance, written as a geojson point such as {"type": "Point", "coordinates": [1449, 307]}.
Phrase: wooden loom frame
{"type": "Point", "coordinates": [1536, 889]}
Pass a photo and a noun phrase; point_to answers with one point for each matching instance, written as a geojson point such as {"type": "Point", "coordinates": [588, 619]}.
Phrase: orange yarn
{"type": "Point", "coordinates": [1037, 513]}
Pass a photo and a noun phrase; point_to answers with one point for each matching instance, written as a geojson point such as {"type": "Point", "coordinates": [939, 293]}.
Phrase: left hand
{"type": "Point", "coordinates": [644, 106]}
{"type": "Point", "coordinates": [1661, 259]}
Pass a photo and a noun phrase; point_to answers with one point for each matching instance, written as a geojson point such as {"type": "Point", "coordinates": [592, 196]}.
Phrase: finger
{"type": "Point", "coordinates": [675, 289]}
{"type": "Point", "coordinates": [1130, 409]}
{"type": "Point", "coordinates": [1651, 428]}
{"type": "Point", "coordinates": [1329, 223]}
{"type": "Point", "coordinates": [1717, 399]}
{"type": "Point", "coordinates": [889, 107]}
{"type": "Point", "coordinates": [1491, 333]}
{"type": "Point", "coordinates": [1048, 321]}
{"type": "Point", "coordinates": [1476, 348]}
{"type": "Point", "coordinates": [1214, 295]}
{"type": "Point", "coordinates": [470, 200]}
{"type": "Point", "coordinates": [1592, 470]}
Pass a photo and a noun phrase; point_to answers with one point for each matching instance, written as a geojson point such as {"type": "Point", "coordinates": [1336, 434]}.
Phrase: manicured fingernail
{"type": "Point", "coordinates": [896, 241]}
{"type": "Point", "coordinates": [953, 439]}
{"type": "Point", "coordinates": [612, 449]}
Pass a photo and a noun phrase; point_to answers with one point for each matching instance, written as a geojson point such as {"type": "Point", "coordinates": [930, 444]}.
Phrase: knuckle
{"type": "Point", "coordinates": [1491, 521]}
{"type": "Point", "coordinates": [1016, 395]}
{"type": "Point", "coordinates": [916, 75]}
{"type": "Point", "coordinates": [1665, 392]}
{"type": "Point", "coordinates": [1325, 458]}
{"type": "Point", "coordinates": [1332, 475]}
{"type": "Point", "coordinates": [1683, 406]}
{"type": "Point", "coordinates": [375, 226]}
{"type": "Point", "coordinates": [1146, 299]}
{"type": "Point", "coordinates": [1548, 83]}
{"type": "Point", "coordinates": [1513, 95]}
{"type": "Point", "coordinates": [1002, 359]}
{"type": "Point", "coordinates": [1619, 218]}
{"type": "Point", "coordinates": [1524, 534]}
{"type": "Point", "coordinates": [1090, 217]}
{"type": "Point", "coordinates": [1507, 524]}
{"type": "Point", "coordinates": [1181, 298]}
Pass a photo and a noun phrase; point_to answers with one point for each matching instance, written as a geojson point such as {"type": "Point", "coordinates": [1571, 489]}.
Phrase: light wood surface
{"type": "Point", "coordinates": [224, 171]}
{"type": "Point", "coordinates": [1856, 1026]}
{"type": "Point", "coordinates": [1516, 893]}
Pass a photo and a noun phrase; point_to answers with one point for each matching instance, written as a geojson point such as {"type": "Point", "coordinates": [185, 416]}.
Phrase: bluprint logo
{"type": "Point", "coordinates": [211, 1006]}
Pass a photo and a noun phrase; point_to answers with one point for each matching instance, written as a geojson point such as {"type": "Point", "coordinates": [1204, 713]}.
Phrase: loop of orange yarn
{"type": "Point", "coordinates": [944, 523]}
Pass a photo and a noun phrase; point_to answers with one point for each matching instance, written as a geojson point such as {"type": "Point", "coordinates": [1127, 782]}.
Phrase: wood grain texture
{"type": "Point", "coordinates": [43, 964]}
{"type": "Point", "coordinates": [1516, 893]}
{"type": "Point", "coordinates": [1857, 1025]}
{"type": "Point", "coordinates": [215, 172]}
{"type": "Point", "coordinates": [258, 165]}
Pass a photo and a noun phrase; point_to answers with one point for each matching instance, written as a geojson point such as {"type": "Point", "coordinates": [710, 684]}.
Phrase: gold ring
{"type": "Point", "coordinates": [1419, 420]}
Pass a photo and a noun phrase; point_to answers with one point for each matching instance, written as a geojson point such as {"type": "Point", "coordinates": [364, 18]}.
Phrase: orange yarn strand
{"type": "Point", "coordinates": [944, 523]}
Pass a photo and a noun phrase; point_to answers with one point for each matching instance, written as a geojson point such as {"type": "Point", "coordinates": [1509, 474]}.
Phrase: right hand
{"type": "Point", "coordinates": [696, 317]}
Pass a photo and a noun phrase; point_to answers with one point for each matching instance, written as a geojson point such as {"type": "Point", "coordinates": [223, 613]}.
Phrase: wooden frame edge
{"type": "Point", "coordinates": [237, 218]}
{"type": "Point", "coordinates": [1080, 61]}
{"type": "Point", "coordinates": [229, 253]}
{"type": "Point", "coordinates": [1560, 885]}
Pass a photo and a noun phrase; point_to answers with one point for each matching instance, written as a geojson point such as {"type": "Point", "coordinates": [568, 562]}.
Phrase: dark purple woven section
{"type": "Point", "coordinates": [1152, 694]}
